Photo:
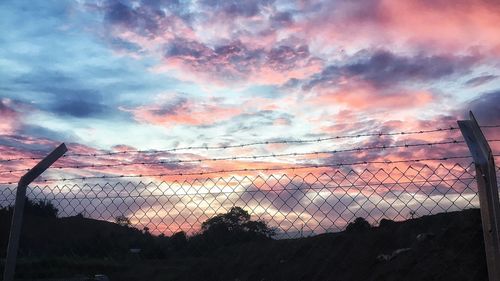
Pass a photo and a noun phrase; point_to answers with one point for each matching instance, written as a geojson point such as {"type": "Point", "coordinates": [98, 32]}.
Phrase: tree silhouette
{"type": "Point", "coordinates": [178, 240]}
{"type": "Point", "coordinates": [40, 208]}
{"type": "Point", "coordinates": [359, 224]}
{"type": "Point", "coordinates": [235, 225]}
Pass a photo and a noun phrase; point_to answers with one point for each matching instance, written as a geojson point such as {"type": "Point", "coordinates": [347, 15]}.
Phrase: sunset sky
{"type": "Point", "coordinates": [161, 74]}
{"type": "Point", "coordinates": [139, 75]}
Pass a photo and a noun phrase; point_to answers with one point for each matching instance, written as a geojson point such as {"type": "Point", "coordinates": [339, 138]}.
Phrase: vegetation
{"type": "Point", "coordinates": [455, 252]}
{"type": "Point", "coordinates": [96, 238]}
{"type": "Point", "coordinates": [123, 221]}
{"type": "Point", "coordinates": [235, 222]}
{"type": "Point", "coordinates": [40, 208]}
{"type": "Point", "coordinates": [227, 229]}
{"type": "Point", "coordinates": [359, 225]}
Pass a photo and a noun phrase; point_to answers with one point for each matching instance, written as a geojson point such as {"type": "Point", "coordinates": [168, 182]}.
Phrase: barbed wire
{"type": "Point", "coordinates": [215, 147]}
{"type": "Point", "coordinates": [293, 168]}
{"type": "Point", "coordinates": [251, 157]}
{"type": "Point", "coordinates": [290, 141]}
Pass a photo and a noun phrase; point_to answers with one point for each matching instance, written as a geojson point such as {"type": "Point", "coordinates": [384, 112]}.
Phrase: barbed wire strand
{"type": "Point", "coordinates": [386, 162]}
{"type": "Point", "coordinates": [207, 147]}
{"type": "Point", "coordinates": [215, 147]}
{"type": "Point", "coordinates": [251, 157]}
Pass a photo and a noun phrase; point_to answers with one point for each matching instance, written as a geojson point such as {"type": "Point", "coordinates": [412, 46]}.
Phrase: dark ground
{"type": "Point", "coordinates": [455, 252]}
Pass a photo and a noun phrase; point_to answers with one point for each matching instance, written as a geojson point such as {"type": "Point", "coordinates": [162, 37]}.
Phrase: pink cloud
{"type": "Point", "coordinates": [272, 46]}
{"type": "Point", "coordinates": [366, 97]}
{"type": "Point", "coordinates": [238, 62]}
{"type": "Point", "coordinates": [10, 118]}
{"type": "Point", "coordinates": [181, 111]}
{"type": "Point", "coordinates": [438, 26]}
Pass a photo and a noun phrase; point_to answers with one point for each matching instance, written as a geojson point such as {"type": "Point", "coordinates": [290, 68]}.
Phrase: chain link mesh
{"type": "Point", "coordinates": [296, 205]}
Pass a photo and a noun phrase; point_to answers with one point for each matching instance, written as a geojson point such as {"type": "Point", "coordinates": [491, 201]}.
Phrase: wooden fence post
{"type": "Point", "coordinates": [17, 217]}
{"type": "Point", "coordinates": [488, 192]}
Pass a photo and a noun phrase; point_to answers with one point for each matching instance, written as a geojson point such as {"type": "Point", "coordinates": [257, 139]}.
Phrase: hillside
{"type": "Point", "coordinates": [453, 251]}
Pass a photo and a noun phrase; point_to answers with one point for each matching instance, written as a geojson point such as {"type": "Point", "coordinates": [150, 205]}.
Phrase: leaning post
{"type": "Point", "coordinates": [488, 192]}
{"type": "Point", "coordinates": [17, 217]}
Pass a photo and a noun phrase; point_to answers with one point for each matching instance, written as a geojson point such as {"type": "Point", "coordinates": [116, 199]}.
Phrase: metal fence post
{"type": "Point", "coordinates": [488, 192]}
{"type": "Point", "coordinates": [17, 217]}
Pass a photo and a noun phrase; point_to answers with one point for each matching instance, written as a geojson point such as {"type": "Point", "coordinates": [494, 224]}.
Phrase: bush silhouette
{"type": "Point", "coordinates": [123, 221]}
{"type": "Point", "coordinates": [359, 224]}
{"type": "Point", "coordinates": [41, 208]}
{"type": "Point", "coordinates": [178, 240]}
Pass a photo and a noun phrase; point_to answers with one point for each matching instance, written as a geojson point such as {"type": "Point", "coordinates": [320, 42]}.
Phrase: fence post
{"type": "Point", "coordinates": [488, 192]}
{"type": "Point", "coordinates": [17, 217]}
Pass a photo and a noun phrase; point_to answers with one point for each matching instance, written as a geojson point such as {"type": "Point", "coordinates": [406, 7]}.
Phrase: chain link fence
{"type": "Point", "coordinates": [121, 228]}
{"type": "Point", "coordinates": [296, 205]}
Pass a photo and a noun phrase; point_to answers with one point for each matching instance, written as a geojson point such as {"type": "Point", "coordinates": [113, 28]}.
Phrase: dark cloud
{"type": "Point", "coordinates": [486, 108]}
{"type": "Point", "coordinates": [480, 80]}
{"type": "Point", "coordinates": [119, 13]}
{"type": "Point", "coordinates": [171, 5]}
{"type": "Point", "coordinates": [147, 18]}
{"type": "Point", "coordinates": [46, 133]}
{"type": "Point", "coordinates": [65, 95]}
{"type": "Point", "coordinates": [285, 57]}
{"type": "Point", "coordinates": [291, 83]}
{"type": "Point", "coordinates": [187, 49]}
{"type": "Point", "coordinates": [235, 59]}
{"type": "Point", "coordinates": [173, 107]}
{"type": "Point", "coordinates": [232, 8]}
{"type": "Point", "coordinates": [280, 19]}
{"type": "Point", "coordinates": [384, 68]}
{"type": "Point", "coordinates": [77, 103]}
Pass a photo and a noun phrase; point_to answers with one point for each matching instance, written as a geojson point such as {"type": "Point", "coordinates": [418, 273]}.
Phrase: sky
{"type": "Point", "coordinates": [115, 75]}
